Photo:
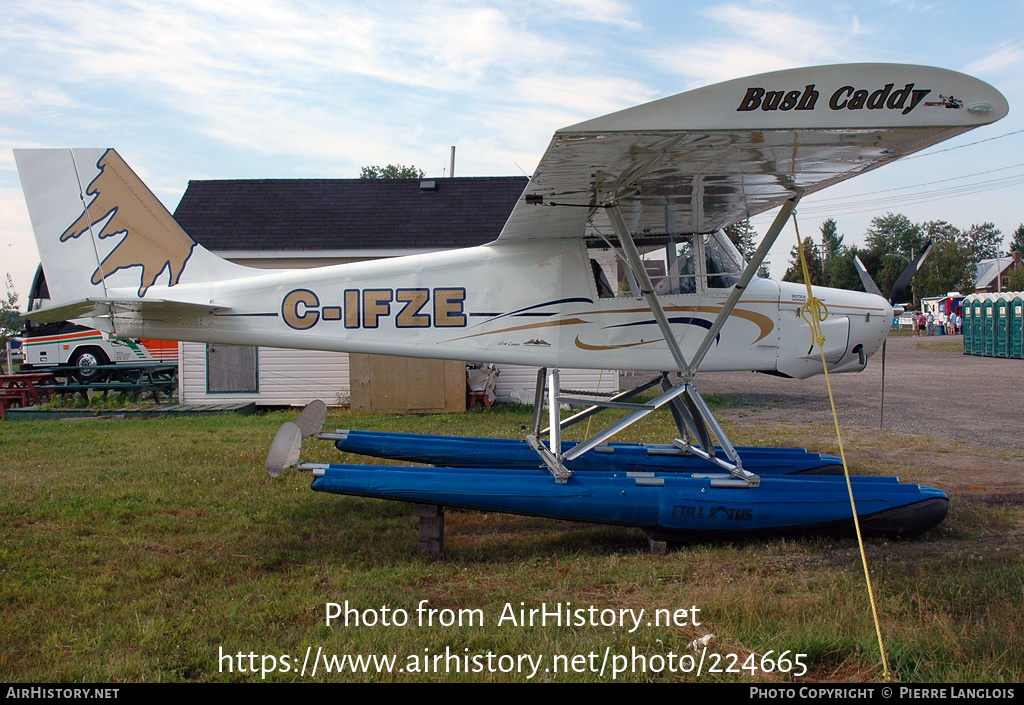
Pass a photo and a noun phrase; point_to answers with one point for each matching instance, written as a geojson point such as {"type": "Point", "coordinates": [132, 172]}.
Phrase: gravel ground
{"type": "Point", "coordinates": [972, 406]}
{"type": "Point", "coordinates": [962, 398]}
{"type": "Point", "coordinates": [974, 400]}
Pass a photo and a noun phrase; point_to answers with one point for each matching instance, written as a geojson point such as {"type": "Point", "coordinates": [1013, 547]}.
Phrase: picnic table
{"type": "Point", "coordinates": [134, 379]}
{"type": "Point", "coordinates": [24, 389]}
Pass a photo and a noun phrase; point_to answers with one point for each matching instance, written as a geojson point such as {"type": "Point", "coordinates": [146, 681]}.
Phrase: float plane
{"type": "Point", "coordinates": [614, 257]}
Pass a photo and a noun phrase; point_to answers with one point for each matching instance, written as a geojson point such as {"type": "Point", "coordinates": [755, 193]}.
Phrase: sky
{"type": "Point", "coordinates": [317, 89]}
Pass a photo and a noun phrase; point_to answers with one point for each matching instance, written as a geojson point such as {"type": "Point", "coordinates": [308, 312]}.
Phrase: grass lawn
{"type": "Point", "coordinates": [160, 550]}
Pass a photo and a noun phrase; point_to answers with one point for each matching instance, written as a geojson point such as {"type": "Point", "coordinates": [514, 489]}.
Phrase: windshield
{"type": "Point", "coordinates": [724, 262]}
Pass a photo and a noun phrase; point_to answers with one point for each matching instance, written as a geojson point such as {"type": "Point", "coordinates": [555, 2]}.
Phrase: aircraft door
{"type": "Point", "coordinates": [671, 262]}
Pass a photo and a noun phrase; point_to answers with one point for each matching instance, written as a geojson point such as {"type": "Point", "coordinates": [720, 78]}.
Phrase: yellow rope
{"type": "Point", "coordinates": [600, 376]}
{"type": "Point", "coordinates": [814, 312]}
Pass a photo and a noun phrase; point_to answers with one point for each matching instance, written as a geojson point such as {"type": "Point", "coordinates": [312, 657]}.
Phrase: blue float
{"type": "Point", "coordinates": [658, 488]}
{"type": "Point", "coordinates": [669, 506]}
{"type": "Point", "coordinates": [475, 452]}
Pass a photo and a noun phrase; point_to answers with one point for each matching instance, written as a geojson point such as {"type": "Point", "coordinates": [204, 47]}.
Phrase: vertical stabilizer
{"type": "Point", "coordinates": [99, 228]}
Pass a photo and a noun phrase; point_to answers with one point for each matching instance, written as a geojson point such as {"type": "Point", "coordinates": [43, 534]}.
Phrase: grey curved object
{"type": "Point", "coordinates": [284, 449]}
{"type": "Point", "coordinates": [312, 418]}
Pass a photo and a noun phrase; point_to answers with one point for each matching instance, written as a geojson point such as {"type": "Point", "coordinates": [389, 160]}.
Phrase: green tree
{"type": "Point", "coordinates": [795, 273]}
{"type": "Point", "coordinates": [1015, 282]}
{"type": "Point", "coordinates": [1017, 242]}
{"type": "Point", "coordinates": [950, 265]}
{"type": "Point", "coordinates": [743, 235]}
{"type": "Point", "coordinates": [984, 240]}
{"type": "Point", "coordinates": [894, 234]}
{"type": "Point", "coordinates": [831, 240]}
{"type": "Point", "coordinates": [939, 230]}
{"type": "Point", "coordinates": [841, 272]}
{"type": "Point", "coordinates": [11, 321]}
{"type": "Point", "coordinates": [837, 259]}
{"type": "Point", "coordinates": [893, 241]}
{"type": "Point", "coordinates": [391, 171]}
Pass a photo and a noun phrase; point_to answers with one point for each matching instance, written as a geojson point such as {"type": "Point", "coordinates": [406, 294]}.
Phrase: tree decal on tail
{"type": "Point", "coordinates": [152, 240]}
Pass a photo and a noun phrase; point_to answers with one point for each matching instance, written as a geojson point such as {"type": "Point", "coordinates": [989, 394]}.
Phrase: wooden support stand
{"type": "Point", "coordinates": [481, 397]}
{"type": "Point", "coordinates": [431, 527]}
{"type": "Point", "coordinates": [658, 548]}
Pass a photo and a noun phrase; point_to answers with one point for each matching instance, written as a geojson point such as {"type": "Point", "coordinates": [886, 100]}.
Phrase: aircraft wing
{"type": "Point", "coordinates": [700, 160]}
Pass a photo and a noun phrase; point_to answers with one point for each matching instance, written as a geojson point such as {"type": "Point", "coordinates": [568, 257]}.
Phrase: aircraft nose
{"type": "Point", "coordinates": [871, 329]}
{"type": "Point", "coordinates": [868, 328]}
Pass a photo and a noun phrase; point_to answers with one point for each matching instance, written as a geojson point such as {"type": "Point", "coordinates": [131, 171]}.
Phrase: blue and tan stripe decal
{"type": "Point", "coordinates": [764, 323]}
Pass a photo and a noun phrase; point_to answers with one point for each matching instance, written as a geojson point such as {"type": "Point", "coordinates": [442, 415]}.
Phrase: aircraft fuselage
{"type": "Point", "coordinates": [526, 302]}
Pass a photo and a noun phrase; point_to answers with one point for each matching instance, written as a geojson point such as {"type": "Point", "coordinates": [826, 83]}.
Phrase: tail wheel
{"type": "Point", "coordinates": [86, 360]}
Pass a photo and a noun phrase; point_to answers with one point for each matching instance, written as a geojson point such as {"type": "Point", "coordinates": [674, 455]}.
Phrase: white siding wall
{"type": "Point", "coordinates": [297, 377]}
{"type": "Point", "coordinates": [517, 376]}
{"type": "Point", "coordinates": [286, 377]}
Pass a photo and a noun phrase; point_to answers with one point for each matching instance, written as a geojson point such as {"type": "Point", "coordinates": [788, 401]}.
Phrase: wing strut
{"type": "Point", "coordinates": [748, 273]}
{"type": "Point", "coordinates": [697, 426]}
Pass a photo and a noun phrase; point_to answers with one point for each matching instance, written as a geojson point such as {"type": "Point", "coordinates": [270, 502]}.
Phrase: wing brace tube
{"type": "Point", "coordinates": [693, 418]}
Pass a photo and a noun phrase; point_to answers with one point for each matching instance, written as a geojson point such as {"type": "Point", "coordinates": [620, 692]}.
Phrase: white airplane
{"type": "Point", "coordinates": [613, 257]}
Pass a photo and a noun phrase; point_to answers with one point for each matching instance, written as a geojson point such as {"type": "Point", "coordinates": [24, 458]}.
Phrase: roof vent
{"type": "Point", "coordinates": [428, 185]}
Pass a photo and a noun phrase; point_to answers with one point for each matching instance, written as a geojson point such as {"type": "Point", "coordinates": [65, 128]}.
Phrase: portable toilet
{"type": "Point", "coordinates": [988, 325]}
{"type": "Point", "coordinates": [970, 303]}
{"type": "Point", "coordinates": [979, 325]}
{"type": "Point", "coordinates": [1017, 325]}
{"type": "Point", "coordinates": [1002, 325]}
{"type": "Point", "coordinates": [967, 326]}
{"type": "Point", "coordinates": [977, 348]}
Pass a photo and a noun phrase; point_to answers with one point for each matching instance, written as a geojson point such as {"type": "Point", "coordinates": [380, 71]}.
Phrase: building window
{"type": "Point", "coordinates": [231, 368]}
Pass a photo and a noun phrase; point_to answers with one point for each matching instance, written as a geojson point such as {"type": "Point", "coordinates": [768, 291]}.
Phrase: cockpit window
{"type": "Point", "coordinates": [671, 263]}
{"type": "Point", "coordinates": [672, 267]}
{"type": "Point", "coordinates": [40, 294]}
{"type": "Point", "coordinates": [611, 275]}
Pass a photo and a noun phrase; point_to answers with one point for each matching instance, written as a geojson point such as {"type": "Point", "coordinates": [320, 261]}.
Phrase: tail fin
{"type": "Point", "coordinates": [99, 228]}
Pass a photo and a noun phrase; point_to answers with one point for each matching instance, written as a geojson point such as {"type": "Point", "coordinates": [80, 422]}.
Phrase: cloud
{"type": "Point", "coordinates": [915, 6]}
{"type": "Point", "coordinates": [757, 39]}
{"type": "Point", "coordinates": [599, 11]}
{"type": "Point", "coordinates": [17, 98]}
{"type": "Point", "coordinates": [17, 245]}
{"type": "Point", "coordinates": [325, 80]}
{"type": "Point", "coordinates": [1006, 56]}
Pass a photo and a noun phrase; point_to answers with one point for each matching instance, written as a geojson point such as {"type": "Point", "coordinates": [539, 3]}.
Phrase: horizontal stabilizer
{"type": "Point", "coordinates": [150, 309]}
